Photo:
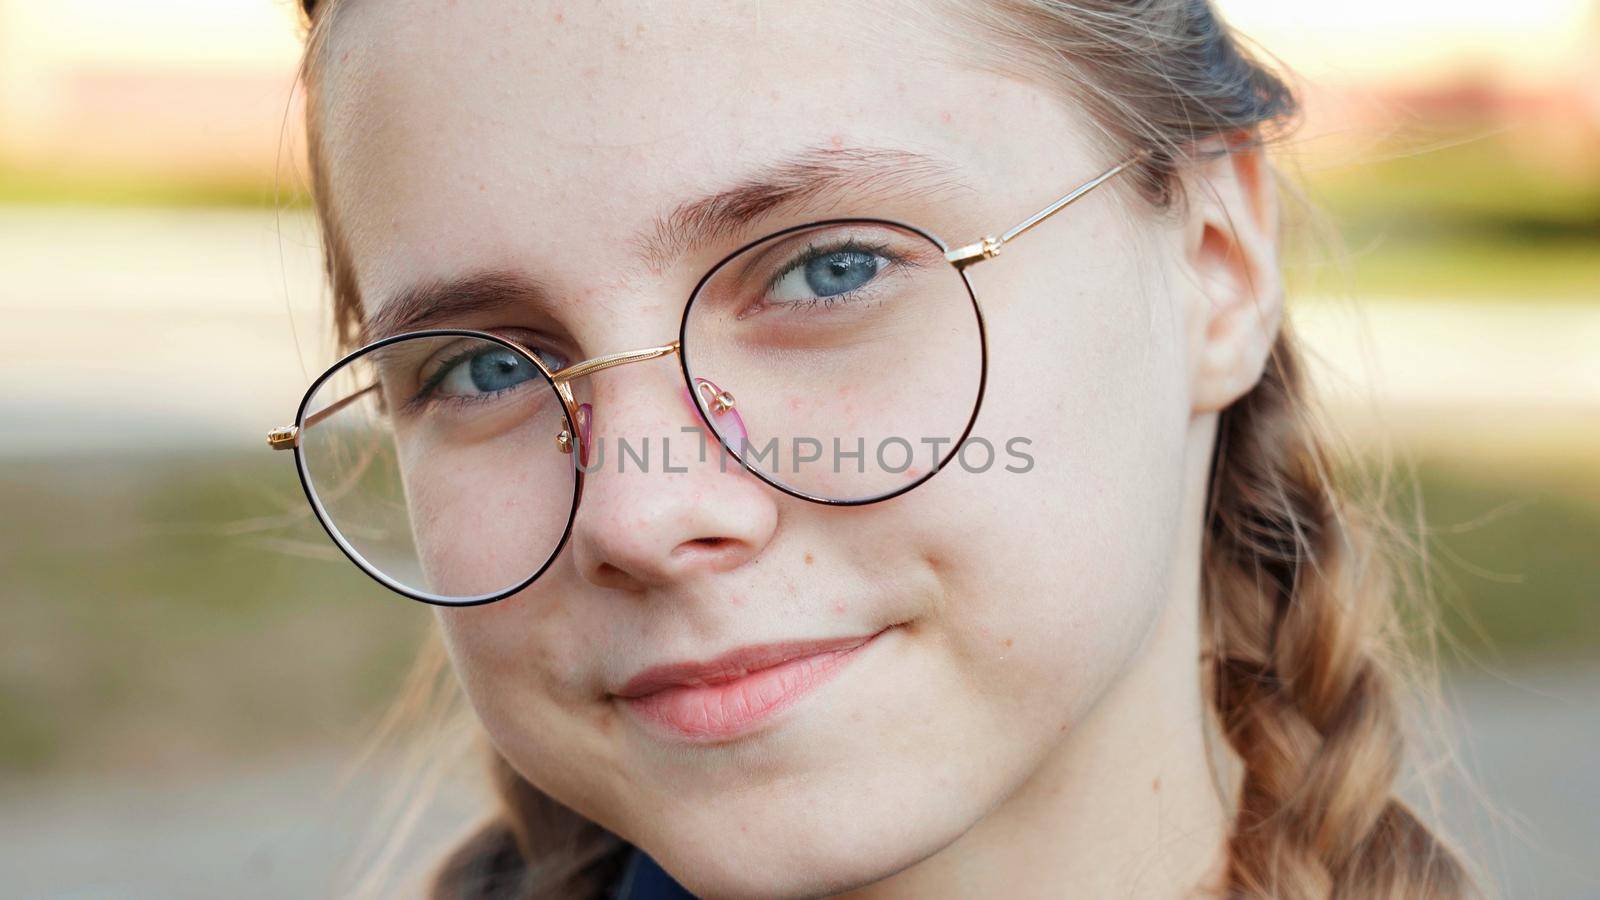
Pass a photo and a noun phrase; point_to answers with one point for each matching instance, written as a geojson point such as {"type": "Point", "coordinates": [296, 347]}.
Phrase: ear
{"type": "Point", "coordinates": [1230, 252]}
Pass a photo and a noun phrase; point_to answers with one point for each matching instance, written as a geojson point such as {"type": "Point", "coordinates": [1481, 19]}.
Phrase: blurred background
{"type": "Point", "coordinates": [187, 673]}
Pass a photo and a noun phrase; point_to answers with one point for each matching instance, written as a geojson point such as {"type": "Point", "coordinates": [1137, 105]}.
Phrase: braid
{"type": "Point", "coordinates": [1297, 609]}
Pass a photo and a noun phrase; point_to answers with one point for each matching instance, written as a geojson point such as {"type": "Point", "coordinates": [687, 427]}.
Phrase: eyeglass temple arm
{"type": "Point", "coordinates": [989, 246]}
{"type": "Point", "coordinates": [286, 437]}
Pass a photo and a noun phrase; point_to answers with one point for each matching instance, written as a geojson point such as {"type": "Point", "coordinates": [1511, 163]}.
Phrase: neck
{"type": "Point", "coordinates": [1127, 804]}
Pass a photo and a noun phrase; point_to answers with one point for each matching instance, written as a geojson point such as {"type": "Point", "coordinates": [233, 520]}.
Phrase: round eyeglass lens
{"type": "Point", "coordinates": [434, 462]}
{"type": "Point", "coordinates": [842, 362]}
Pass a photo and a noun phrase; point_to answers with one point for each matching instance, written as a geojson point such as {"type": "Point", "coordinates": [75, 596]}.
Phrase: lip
{"type": "Point", "coordinates": [732, 694]}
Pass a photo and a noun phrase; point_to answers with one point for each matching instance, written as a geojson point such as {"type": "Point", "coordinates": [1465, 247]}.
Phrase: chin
{"type": "Point", "coordinates": [826, 838]}
{"type": "Point", "coordinates": [730, 873]}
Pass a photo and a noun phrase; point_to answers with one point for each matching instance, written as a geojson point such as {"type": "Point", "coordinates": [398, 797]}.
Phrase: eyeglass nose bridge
{"type": "Point", "coordinates": [563, 378]}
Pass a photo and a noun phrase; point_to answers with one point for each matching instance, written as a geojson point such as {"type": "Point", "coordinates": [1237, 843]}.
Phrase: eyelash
{"type": "Point", "coordinates": [814, 252]}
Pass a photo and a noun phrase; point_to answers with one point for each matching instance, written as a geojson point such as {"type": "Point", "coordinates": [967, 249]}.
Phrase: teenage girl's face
{"type": "Point", "coordinates": [542, 140]}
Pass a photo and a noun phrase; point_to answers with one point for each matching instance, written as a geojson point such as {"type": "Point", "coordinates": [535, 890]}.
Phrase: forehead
{"type": "Point", "coordinates": [501, 135]}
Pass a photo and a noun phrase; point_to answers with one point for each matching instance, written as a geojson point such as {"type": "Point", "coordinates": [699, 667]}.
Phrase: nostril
{"type": "Point", "coordinates": [705, 543]}
{"type": "Point", "coordinates": [714, 551]}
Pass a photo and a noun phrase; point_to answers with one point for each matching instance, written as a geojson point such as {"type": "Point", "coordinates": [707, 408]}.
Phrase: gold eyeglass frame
{"type": "Point", "coordinates": [287, 437]}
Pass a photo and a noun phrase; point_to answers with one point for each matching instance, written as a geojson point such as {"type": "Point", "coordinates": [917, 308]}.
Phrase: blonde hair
{"type": "Point", "coordinates": [1298, 608]}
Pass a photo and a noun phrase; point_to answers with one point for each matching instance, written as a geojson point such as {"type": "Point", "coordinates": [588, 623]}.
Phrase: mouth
{"type": "Point", "coordinates": [736, 693]}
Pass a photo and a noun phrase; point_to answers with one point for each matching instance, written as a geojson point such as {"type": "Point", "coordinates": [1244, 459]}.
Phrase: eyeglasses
{"type": "Point", "coordinates": [841, 362]}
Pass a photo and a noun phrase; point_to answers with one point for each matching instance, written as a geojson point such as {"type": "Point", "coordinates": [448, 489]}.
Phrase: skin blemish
{"type": "Point", "coordinates": [810, 559]}
{"type": "Point", "coordinates": [1155, 786]}
{"type": "Point", "coordinates": [736, 600]}
{"type": "Point", "coordinates": [837, 141]}
{"type": "Point", "coordinates": [839, 608]}
{"type": "Point", "coordinates": [1006, 642]}
{"type": "Point", "coordinates": [945, 117]}
{"type": "Point", "coordinates": [558, 17]}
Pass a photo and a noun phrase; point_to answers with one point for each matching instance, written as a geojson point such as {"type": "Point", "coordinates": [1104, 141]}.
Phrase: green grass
{"type": "Point", "coordinates": [1471, 269]}
{"type": "Point", "coordinates": [1472, 220]}
{"type": "Point", "coordinates": [1475, 184]}
{"type": "Point", "coordinates": [150, 622]}
{"type": "Point", "coordinates": [1514, 558]}
{"type": "Point", "coordinates": [47, 187]}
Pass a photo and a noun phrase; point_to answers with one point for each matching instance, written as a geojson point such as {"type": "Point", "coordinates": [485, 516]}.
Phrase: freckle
{"type": "Point", "coordinates": [559, 17]}
{"type": "Point", "coordinates": [1006, 642]}
{"type": "Point", "coordinates": [839, 608]}
{"type": "Point", "coordinates": [1155, 786]}
{"type": "Point", "coordinates": [837, 141]}
{"type": "Point", "coordinates": [810, 559]}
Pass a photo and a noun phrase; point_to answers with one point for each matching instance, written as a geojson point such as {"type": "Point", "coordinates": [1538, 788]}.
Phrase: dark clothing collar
{"type": "Point", "coordinates": [644, 879]}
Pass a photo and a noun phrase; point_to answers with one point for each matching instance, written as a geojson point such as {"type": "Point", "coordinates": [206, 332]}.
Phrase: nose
{"type": "Point", "coordinates": [660, 504]}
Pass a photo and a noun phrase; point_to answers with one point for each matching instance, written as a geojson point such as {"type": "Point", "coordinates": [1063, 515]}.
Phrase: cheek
{"type": "Point", "coordinates": [486, 515]}
{"type": "Point", "coordinates": [1069, 564]}
{"type": "Point", "coordinates": [528, 643]}
{"type": "Point", "coordinates": [520, 662]}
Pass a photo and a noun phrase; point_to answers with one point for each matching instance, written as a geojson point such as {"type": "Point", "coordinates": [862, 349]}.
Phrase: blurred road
{"type": "Point", "coordinates": [286, 830]}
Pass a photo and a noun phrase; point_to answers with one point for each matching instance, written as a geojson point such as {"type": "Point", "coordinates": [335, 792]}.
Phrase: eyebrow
{"type": "Point", "coordinates": [813, 175]}
{"type": "Point", "coordinates": [820, 176]}
{"type": "Point", "coordinates": [442, 303]}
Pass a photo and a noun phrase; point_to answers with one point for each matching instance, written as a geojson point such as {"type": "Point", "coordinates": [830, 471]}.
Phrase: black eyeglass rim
{"type": "Point", "coordinates": [705, 414]}
{"type": "Point", "coordinates": [326, 521]}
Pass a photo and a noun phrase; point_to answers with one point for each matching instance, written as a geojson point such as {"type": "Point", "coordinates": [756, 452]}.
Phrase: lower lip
{"type": "Point", "coordinates": [730, 709]}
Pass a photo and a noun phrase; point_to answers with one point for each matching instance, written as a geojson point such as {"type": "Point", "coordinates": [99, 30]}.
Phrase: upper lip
{"type": "Point", "coordinates": [732, 665]}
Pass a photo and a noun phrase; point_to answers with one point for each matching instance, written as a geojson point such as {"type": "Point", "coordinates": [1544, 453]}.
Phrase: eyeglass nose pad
{"type": "Point", "coordinates": [564, 438]}
{"type": "Point", "coordinates": [728, 422]}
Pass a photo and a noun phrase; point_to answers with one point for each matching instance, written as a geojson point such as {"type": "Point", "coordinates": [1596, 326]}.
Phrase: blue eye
{"type": "Point", "coordinates": [827, 274]}
{"type": "Point", "coordinates": [487, 371]}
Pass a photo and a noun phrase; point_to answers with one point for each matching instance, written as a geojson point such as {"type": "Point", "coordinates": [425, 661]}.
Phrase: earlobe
{"type": "Point", "coordinates": [1231, 249]}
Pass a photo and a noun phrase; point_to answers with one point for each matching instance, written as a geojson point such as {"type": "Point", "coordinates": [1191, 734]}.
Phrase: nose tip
{"type": "Point", "coordinates": [674, 536]}
{"type": "Point", "coordinates": [688, 511]}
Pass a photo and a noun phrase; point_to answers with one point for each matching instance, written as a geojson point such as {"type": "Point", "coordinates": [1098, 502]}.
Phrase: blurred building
{"type": "Point", "coordinates": [203, 88]}
{"type": "Point", "coordinates": [176, 90]}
